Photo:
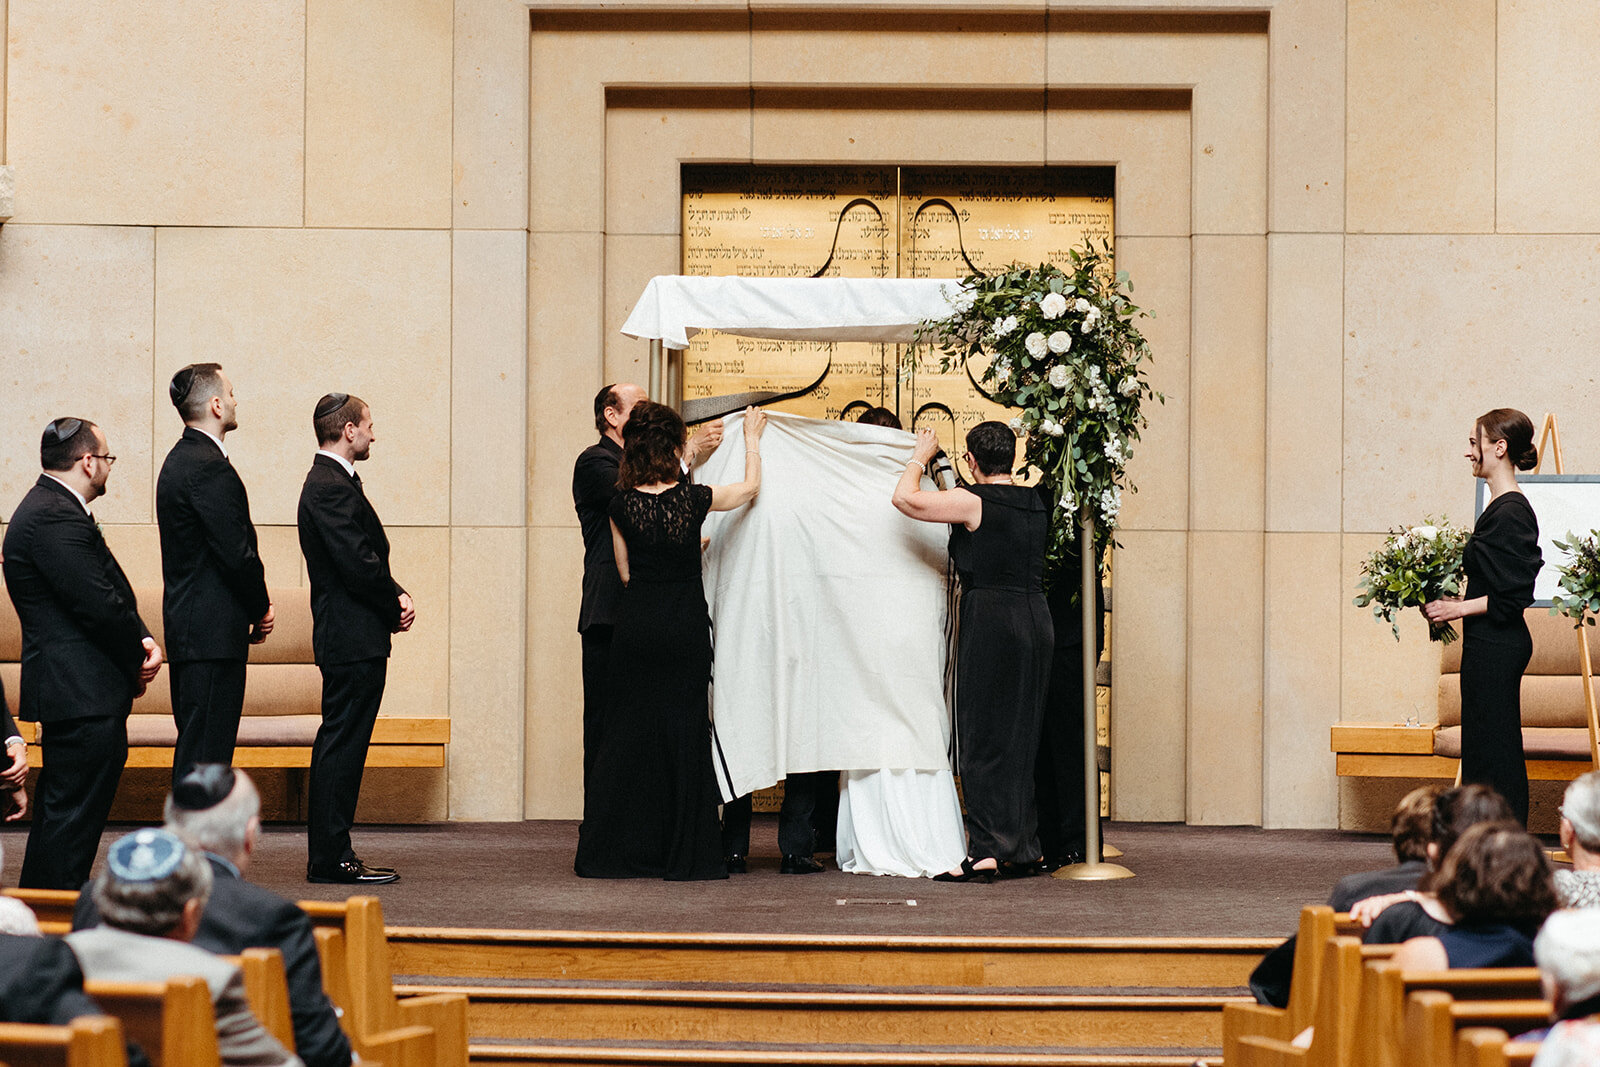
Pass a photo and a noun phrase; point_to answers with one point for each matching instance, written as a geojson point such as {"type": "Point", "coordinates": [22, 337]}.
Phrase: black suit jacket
{"type": "Point", "coordinates": [8, 725]}
{"type": "Point", "coordinates": [215, 585]}
{"type": "Point", "coordinates": [594, 483]}
{"type": "Point", "coordinates": [41, 983]}
{"type": "Point", "coordinates": [355, 603]}
{"type": "Point", "coordinates": [243, 915]}
{"type": "Point", "coordinates": [82, 639]}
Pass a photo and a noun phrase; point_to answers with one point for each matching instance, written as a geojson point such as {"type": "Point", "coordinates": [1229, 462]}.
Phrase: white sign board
{"type": "Point", "coordinates": [1564, 504]}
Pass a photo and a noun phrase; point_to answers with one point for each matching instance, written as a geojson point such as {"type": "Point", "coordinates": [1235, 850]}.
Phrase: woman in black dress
{"type": "Point", "coordinates": [1502, 560]}
{"type": "Point", "coordinates": [652, 808]}
{"type": "Point", "coordinates": [997, 541]}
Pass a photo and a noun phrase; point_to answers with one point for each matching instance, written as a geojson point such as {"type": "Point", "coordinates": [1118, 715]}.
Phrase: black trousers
{"type": "Point", "coordinates": [207, 700]}
{"type": "Point", "coordinates": [1492, 662]}
{"type": "Point", "coordinates": [596, 656]}
{"type": "Point", "coordinates": [83, 760]}
{"type": "Point", "coordinates": [806, 798]}
{"type": "Point", "coordinates": [351, 693]}
{"type": "Point", "coordinates": [1058, 770]}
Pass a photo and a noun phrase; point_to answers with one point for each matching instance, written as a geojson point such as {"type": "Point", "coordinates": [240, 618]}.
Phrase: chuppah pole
{"type": "Point", "coordinates": [1094, 869]}
{"type": "Point", "coordinates": [655, 370]}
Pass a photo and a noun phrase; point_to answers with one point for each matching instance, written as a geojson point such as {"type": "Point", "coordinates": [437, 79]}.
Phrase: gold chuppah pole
{"type": "Point", "coordinates": [1093, 869]}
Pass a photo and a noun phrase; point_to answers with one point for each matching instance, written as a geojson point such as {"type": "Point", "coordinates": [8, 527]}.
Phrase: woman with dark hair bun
{"type": "Point", "coordinates": [650, 806]}
{"type": "Point", "coordinates": [1502, 560]}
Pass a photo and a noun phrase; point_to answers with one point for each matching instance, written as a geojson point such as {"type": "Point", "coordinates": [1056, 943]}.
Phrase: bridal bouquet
{"type": "Point", "coordinates": [1063, 347]}
{"type": "Point", "coordinates": [1580, 578]}
{"type": "Point", "coordinates": [1415, 565]}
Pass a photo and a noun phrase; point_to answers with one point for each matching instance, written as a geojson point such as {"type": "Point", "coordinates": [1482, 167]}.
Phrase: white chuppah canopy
{"type": "Point", "coordinates": [673, 308]}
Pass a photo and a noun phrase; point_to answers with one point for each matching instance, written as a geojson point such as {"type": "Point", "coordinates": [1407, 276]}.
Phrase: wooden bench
{"type": "Point", "coordinates": [1560, 731]}
{"type": "Point", "coordinates": [52, 907]}
{"type": "Point", "coordinates": [1488, 1047]}
{"type": "Point", "coordinates": [88, 1041]}
{"type": "Point", "coordinates": [363, 969]}
{"type": "Point", "coordinates": [173, 1021]}
{"type": "Point", "coordinates": [283, 699]}
{"type": "Point", "coordinates": [1385, 989]}
{"type": "Point", "coordinates": [1435, 1018]}
{"type": "Point", "coordinates": [407, 1046]}
{"type": "Point", "coordinates": [266, 986]}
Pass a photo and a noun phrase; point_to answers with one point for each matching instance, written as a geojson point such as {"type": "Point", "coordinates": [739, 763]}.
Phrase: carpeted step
{"type": "Point", "coordinates": [678, 1053]}
{"type": "Point", "coordinates": [806, 1018]}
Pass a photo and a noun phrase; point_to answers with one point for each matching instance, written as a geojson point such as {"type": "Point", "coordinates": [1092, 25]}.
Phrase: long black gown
{"type": "Point", "coordinates": [1002, 669]}
{"type": "Point", "coordinates": [1502, 560]}
{"type": "Point", "coordinates": [651, 809]}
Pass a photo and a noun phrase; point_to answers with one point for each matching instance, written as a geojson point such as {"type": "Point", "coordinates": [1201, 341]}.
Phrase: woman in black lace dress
{"type": "Point", "coordinates": [1502, 560]}
{"type": "Point", "coordinates": [998, 533]}
{"type": "Point", "coordinates": [652, 808]}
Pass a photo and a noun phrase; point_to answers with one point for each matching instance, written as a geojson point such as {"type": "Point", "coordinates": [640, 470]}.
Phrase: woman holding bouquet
{"type": "Point", "coordinates": [1502, 559]}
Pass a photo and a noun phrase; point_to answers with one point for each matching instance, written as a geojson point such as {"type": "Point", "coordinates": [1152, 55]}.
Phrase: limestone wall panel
{"type": "Point", "coordinates": [976, 49]}
{"type": "Point", "coordinates": [926, 134]}
{"type": "Point", "coordinates": [553, 765]}
{"type": "Point", "coordinates": [75, 339]}
{"type": "Point", "coordinates": [419, 665]}
{"type": "Point", "coordinates": [488, 375]}
{"type": "Point", "coordinates": [378, 113]}
{"type": "Point", "coordinates": [631, 261]}
{"type": "Point", "coordinates": [1149, 148]}
{"type": "Point", "coordinates": [1305, 379]}
{"type": "Point", "coordinates": [1304, 588]}
{"type": "Point", "coordinates": [645, 151]}
{"type": "Point", "coordinates": [293, 314]}
{"type": "Point", "coordinates": [490, 101]}
{"type": "Point", "coordinates": [1420, 99]}
{"type": "Point", "coordinates": [565, 370]}
{"type": "Point", "coordinates": [1225, 679]}
{"type": "Point", "coordinates": [1307, 77]}
{"type": "Point", "coordinates": [1228, 381]}
{"type": "Point", "coordinates": [1149, 682]}
{"type": "Point", "coordinates": [488, 610]}
{"type": "Point", "coordinates": [170, 112]}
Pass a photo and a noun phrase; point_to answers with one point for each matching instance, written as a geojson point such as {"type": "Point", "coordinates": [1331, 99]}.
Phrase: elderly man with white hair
{"type": "Point", "coordinates": [1580, 836]}
{"type": "Point", "coordinates": [16, 918]}
{"type": "Point", "coordinates": [1568, 953]}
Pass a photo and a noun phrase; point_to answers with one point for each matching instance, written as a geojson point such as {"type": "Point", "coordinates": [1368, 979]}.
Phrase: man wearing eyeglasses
{"type": "Point", "coordinates": [216, 602]}
{"type": "Point", "coordinates": [85, 652]}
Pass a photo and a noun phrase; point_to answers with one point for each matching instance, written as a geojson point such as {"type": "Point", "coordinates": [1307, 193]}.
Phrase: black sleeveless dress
{"type": "Point", "coordinates": [1502, 560]}
{"type": "Point", "coordinates": [1002, 669]}
{"type": "Point", "coordinates": [651, 807]}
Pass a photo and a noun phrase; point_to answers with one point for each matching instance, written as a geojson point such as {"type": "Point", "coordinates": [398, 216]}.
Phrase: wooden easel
{"type": "Point", "coordinates": [1548, 431]}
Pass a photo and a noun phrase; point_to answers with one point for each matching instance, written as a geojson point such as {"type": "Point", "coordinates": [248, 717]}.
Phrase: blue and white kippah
{"type": "Point", "coordinates": [145, 856]}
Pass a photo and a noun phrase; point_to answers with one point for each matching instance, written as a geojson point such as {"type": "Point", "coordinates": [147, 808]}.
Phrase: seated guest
{"type": "Point", "coordinates": [150, 895]}
{"type": "Point", "coordinates": [1567, 951]}
{"type": "Point", "coordinates": [13, 765]}
{"type": "Point", "coordinates": [1398, 917]}
{"type": "Point", "coordinates": [217, 810]}
{"type": "Point", "coordinates": [41, 984]}
{"type": "Point", "coordinates": [16, 918]}
{"type": "Point", "coordinates": [1495, 887]}
{"type": "Point", "coordinates": [1409, 830]}
{"type": "Point", "coordinates": [1580, 836]}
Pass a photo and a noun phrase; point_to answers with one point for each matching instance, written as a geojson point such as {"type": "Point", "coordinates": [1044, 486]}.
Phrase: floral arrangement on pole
{"type": "Point", "coordinates": [1066, 351]}
{"type": "Point", "coordinates": [1579, 578]}
{"type": "Point", "coordinates": [1415, 565]}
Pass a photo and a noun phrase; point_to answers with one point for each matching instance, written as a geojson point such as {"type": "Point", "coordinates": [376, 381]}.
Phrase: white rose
{"type": "Point", "coordinates": [1128, 386]}
{"type": "Point", "coordinates": [1083, 306]}
{"type": "Point", "coordinates": [1053, 306]}
{"type": "Point", "coordinates": [1051, 427]}
{"type": "Point", "coordinates": [1059, 341]}
{"type": "Point", "coordinates": [961, 300]}
{"type": "Point", "coordinates": [1427, 533]}
{"type": "Point", "coordinates": [1005, 325]}
{"type": "Point", "coordinates": [1036, 344]}
{"type": "Point", "coordinates": [1002, 371]}
{"type": "Point", "coordinates": [1060, 376]}
{"type": "Point", "coordinates": [1015, 424]}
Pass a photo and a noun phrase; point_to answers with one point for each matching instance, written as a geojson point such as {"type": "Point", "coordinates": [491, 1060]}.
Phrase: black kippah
{"type": "Point", "coordinates": [329, 404]}
{"type": "Point", "coordinates": [182, 382]}
{"type": "Point", "coordinates": [62, 430]}
{"type": "Point", "coordinates": [205, 786]}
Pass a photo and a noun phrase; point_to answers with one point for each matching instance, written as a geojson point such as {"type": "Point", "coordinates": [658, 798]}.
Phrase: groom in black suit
{"type": "Point", "coordinates": [355, 605]}
{"type": "Point", "coordinates": [216, 601]}
{"type": "Point", "coordinates": [85, 652]}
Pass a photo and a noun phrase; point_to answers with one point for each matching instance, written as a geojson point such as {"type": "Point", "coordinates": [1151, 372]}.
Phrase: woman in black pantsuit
{"type": "Point", "coordinates": [1502, 560]}
{"type": "Point", "coordinates": [998, 533]}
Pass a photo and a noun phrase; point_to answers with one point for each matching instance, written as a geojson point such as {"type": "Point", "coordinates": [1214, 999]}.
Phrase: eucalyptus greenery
{"type": "Point", "coordinates": [1580, 577]}
{"type": "Point", "coordinates": [1064, 348]}
{"type": "Point", "coordinates": [1415, 565]}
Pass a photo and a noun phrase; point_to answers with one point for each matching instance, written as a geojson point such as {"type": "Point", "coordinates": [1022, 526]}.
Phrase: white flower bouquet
{"type": "Point", "coordinates": [1579, 579]}
{"type": "Point", "coordinates": [1065, 350]}
{"type": "Point", "coordinates": [1415, 565]}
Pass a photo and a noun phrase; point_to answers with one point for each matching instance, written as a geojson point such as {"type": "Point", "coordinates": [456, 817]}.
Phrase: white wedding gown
{"type": "Point", "coordinates": [899, 822]}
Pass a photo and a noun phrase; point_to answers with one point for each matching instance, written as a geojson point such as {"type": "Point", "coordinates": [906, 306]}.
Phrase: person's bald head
{"type": "Point", "coordinates": [612, 405]}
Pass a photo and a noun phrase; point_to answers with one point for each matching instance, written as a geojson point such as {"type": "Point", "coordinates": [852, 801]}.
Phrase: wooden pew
{"type": "Point", "coordinates": [373, 1007]}
{"type": "Point", "coordinates": [89, 1041]}
{"type": "Point", "coordinates": [1334, 1020]}
{"type": "Point", "coordinates": [1385, 987]}
{"type": "Point", "coordinates": [1260, 1020]}
{"type": "Point", "coordinates": [266, 985]}
{"type": "Point", "coordinates": [52, 907]}
{"type": "Point", "coordinates": [1487, 1047]}
{"type": "Point", "coordinates": [172, 1021]}
{"type": "Point", "coordinates": [1434, 1018]}
{"type": "Point", "coordinates": [406, 1046]}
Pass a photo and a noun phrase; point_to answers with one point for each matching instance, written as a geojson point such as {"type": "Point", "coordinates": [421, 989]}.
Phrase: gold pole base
{"type": "Point", "coordinates": [1092, 872]}
{"type": "Point", "coordinates": [1110, 852]}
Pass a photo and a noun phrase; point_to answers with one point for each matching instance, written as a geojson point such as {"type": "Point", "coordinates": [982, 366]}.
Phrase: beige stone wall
{"type": "Point", "coordinates": [1359, 223]}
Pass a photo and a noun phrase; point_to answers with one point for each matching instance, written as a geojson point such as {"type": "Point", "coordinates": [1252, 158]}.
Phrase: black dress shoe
{"type": "Point", "coordinates": [1010, 870]}
{"type": "Point", "coordinates": [736, 864]}
{"type": "Point", "coordinates": [351, 872]}
{"type": "Point", "coordinates": [375, 867]}
{"type": "Point", "coordinates": [799, 865]}
{"type": "Point", "coordinates": [1055, 863]}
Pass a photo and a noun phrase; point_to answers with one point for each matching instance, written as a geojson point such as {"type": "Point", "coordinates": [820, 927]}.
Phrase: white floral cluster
{"type": "Point", "coordinates": [1099, 392]}
{"type": "Point", "coordinates": [1110, 505]}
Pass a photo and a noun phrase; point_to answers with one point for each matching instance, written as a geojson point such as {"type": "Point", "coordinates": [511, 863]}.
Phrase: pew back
{"type": "Point", "coordinates": [172, 1021]}
{"type": "Point", "coordinates": [90, 1041]}
{"type": "Point", "coordinates": [266, 984]}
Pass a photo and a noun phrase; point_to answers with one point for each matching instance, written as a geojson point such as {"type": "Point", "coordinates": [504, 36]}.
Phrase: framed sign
{"type": "Point", "coordinates": [1564, 504]}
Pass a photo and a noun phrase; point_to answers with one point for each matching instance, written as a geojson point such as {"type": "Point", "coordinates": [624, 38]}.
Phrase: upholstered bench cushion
{"type": "Point", "coordinates": [1547, 700]}
{"type": "Point", "coordinates": [160, 731]}
{"type": "Point", "coordinates": [1547, 743]}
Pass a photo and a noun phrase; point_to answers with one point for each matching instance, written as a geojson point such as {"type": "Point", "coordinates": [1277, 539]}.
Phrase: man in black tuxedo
{"type": "Point", "coordinates": [216, 602]}
{"type": "Point", "coordinates": [85, 652]}
{"type": "Point", "coordinates": [14, 767]}
{"type": "Point", "coordinates": [594, 483]}
{"type": "Point", "coordinates": [355, 605]}
{"type": "Point", "coordinates": [218, 811]}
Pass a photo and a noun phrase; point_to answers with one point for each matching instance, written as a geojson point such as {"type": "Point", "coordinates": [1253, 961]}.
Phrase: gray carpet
{"type": "Point", "coordinates": [1191, 881]}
